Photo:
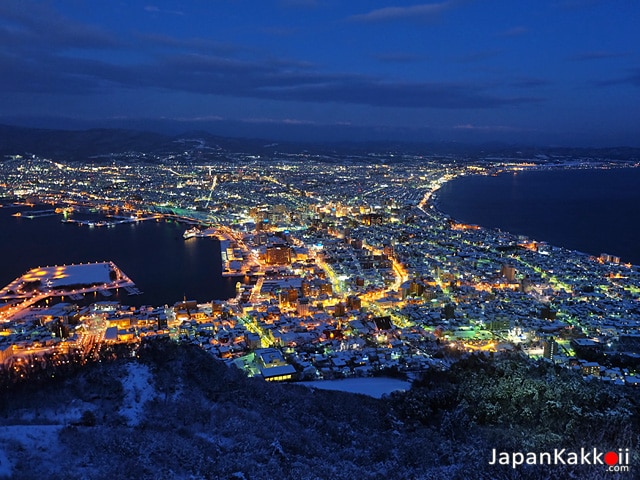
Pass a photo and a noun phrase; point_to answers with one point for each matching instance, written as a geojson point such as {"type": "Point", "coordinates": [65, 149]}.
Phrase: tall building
{"type": "Point", "coordinates": [280, 254]}
{"type": "Point", "coordinates": [303, 307]}
{"type": "Point", "coordinates": [509, 272]}
{"type": "Point", "coordinates": [354, 302]}
{"type": "Point", "coordinates": [550, 348]}
{"type": "Point", "coordinates": [605, 257]}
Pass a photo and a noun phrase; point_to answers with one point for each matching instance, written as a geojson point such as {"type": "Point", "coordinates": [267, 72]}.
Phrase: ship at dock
{"type": "Point", "coordinates": [192, 232]}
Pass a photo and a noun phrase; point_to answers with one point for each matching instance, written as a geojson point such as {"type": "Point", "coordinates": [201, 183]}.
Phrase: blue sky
{"type": "Point", "coordinates": [557, 72]}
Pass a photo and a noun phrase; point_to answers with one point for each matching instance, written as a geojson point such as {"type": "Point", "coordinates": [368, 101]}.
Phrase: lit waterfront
{"type": "Point", "coordinates": [154, 254]}
{"type": "Point", "coordinates": [591, 210]}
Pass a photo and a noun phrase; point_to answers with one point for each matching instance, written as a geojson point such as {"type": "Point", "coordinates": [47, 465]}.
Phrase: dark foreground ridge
{"type": "Point", "coordinates": [177, 413]}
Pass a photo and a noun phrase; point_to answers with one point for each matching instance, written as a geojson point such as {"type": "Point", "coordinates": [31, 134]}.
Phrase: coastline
{"type": "Point", "coordinates": [435, 199]}
{"type": "Point", "coordinates": [153, 254]}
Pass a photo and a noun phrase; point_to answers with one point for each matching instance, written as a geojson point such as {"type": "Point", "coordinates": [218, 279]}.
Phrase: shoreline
{"type": "Point", "coordinates": [434, 200]}
{"type": "Point", "coordinates": [125, 245]}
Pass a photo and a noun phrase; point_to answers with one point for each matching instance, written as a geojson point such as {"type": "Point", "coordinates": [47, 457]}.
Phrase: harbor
{"type": "Point", "coordinates": [60, 281]}
{"type": "Point", "coordinates": [110, 221]}
{"type": "Point", "coordinates": [153, 253]}
{"type": "Point", "coordinates": [36, 214]}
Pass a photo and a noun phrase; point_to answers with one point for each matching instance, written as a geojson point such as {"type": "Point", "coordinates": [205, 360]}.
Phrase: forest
{"type": "Point", "coordinates": [177, 413]}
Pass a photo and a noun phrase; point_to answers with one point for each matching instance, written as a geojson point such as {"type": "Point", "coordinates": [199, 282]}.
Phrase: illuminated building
{"type": "Point", "coordinates": [356, 243]}
{"type": "Point", "coordinates": [6, 351]}
{"type": "Point", "coordinates": [354, 303]}
{"type": "Point", "coordinates": [416, 288]}
{"type": "Point", "coordinates": [591, 368]}
{"type": "Point", "coordinates": [499, 324]}
{"type": "Point", "coordinates": [373, 219]}
{"type": "Point", "coordinates": [273, 366]}
{"type": "Point", "coordinates": [278, 255]}
{"type": "Point", "coordinates": [326, 288]}
{"type": "Point", "coordinates": [303, 307]}
{"type": "Point", "coordinates": [288, 296]}
{"type": "Point", "coordinates": [605, 257]}
{"type": "Point", "coordinates": [306, 288]}
{"type": "Point", "coordinates": [550, 348]}
{"type": "Point", "coordinates": [509, 272]}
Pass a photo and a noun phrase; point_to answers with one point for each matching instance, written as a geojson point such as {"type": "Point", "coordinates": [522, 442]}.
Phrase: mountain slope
{"type": "Point", "coordinates": [75, 144]}
{"type": "Point", "coordinates": [178, 413]}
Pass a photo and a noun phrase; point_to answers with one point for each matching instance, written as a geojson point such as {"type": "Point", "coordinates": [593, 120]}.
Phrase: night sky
{"type": "Point", "coordinates": [558, 72]}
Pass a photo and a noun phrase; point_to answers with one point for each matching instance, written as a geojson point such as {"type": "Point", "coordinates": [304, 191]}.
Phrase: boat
{"type": "Point", "coordinates": [192, 232]}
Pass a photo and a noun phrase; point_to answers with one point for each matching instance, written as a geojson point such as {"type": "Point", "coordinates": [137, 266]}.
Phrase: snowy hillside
{"type": "Point", "coordinates": [176, 413]}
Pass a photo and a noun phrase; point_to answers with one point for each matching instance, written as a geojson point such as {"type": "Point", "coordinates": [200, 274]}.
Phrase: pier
{"type": "Point", "coordinates": [113, 220]}
{"type": "Point", "coordinates": [35, 214]}
{"type": "Point", "coordinates": [71, 281]}
{"type": "Point", "coordinates": [132, 290]}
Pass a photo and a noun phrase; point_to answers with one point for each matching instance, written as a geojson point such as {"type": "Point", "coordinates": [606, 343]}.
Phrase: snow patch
{"type": "Point", "coordinates": [218, 440]}
{"type": "Point", "coordinates": [179, 388]}
{"type": "Point", "coordinates": [138, 390]}
{"type": "Point", "coordinates": [31, 436]}
{"type": "Point", "coordinates": [56, 415]}
{"type": "Point", "coordinates": [5, 465]}
{"type": "Point", "coordinates": [37, 438]}
{"type": "Point", "coordinates": [82, 274]}
{"type": "Point", "coordinates": [374, 387]}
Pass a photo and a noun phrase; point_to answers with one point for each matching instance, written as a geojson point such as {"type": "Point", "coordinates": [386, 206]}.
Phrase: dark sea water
{"type": "Point", "coordinates": [153, 254]}
{"type": "Point", "coordinates": [593, 211]}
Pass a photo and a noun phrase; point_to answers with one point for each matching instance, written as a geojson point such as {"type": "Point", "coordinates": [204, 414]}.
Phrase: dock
{"type": "Point", "coordinates": [133, 290]}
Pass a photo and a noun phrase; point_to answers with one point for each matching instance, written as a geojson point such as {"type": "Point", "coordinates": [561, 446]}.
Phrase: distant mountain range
{"type": "Point", "coordinates": [85, 144]}
{"type": "Point", "coordinates": [88, 144]}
